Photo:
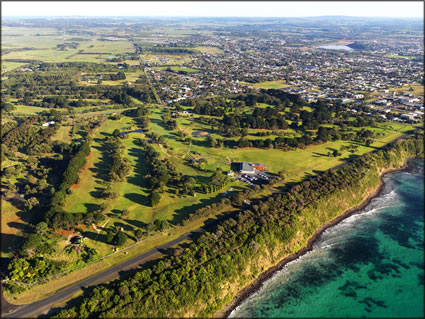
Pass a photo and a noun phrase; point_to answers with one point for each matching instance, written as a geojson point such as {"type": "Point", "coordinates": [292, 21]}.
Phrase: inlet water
{"type": "Point", "coordinates": [369, 265]}
{"type": "Point", "coordinates": [336, 47]}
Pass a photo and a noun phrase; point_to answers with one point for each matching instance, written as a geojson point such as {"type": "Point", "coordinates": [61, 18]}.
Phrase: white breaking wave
{"type": "Point", "coordinates": [265, 284]}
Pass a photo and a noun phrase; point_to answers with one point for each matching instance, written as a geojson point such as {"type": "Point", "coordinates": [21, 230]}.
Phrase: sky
{"type": "Point", "coordinates": [403, 9]}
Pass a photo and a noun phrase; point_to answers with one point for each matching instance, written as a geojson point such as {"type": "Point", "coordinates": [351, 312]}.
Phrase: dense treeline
{"type": "Point", "coordinates": [161, 173]}
{"type": "Point", "coordinates": [53, 85]}
{"type": "Point", "coordinates": [119, 167]}
{"type": "Point", "coordinates": [194, 282]}
{"type": "Point", "coordinates": [29, 137]}
{"type": "Point", "coordinates": [170, 50]}
{"type": "Point", "coordinates": [114, 77]}
{"type": "Point", "coordinates": [55, 216]}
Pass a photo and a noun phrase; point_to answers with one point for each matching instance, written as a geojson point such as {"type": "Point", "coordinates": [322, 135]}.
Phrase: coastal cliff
{"type": "Point", "coordinates": [221, 267]}
{"type": "Point", "coordinates": [324, 213]}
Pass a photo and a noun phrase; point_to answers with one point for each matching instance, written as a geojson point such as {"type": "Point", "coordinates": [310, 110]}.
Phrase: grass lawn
{"type": "Point", "coordinates": [279, 84]}
{"type": "Point", "coordinates": [418, 89]}
{"type": "Point", "coordinates": [30, 110]}
{"type": "Point", "coordinates": [11, 226]}
{"type": "Point", "coordinates": [132, 194]}
{"type": "Point", "coordinates": [209, 50]}
{"type": "Point", "coordinates": [63, 134]}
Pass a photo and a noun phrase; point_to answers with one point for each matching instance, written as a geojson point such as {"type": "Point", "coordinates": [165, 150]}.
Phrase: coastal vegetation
{"type": "Point", "coordinates": [202, 278]}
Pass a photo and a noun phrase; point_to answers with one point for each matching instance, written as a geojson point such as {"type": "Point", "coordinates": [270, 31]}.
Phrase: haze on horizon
{"type": "Point", "coordinates": [394, 9]}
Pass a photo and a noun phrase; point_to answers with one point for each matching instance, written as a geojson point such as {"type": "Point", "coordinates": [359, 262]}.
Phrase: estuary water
{"type": "Point", "coordinates": [369, 265]}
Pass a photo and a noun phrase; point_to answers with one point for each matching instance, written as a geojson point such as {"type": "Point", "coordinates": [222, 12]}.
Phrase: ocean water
{"type": "Point", "coordinates": [369, 265]}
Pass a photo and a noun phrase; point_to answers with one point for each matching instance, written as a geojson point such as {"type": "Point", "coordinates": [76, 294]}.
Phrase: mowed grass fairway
{"type": "Point", "coordinates": [132, 194]}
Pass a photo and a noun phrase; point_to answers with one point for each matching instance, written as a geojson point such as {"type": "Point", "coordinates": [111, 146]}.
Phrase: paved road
{"type": "Point", "coordinates": [38, 307]}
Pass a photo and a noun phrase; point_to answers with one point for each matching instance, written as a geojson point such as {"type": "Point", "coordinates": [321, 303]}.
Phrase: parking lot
{"type": "Point", "coordinates": [259, 178]}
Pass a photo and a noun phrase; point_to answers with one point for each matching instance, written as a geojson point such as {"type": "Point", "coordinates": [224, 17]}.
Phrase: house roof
{"type": "Point", "coordinates": [250, 167]}
{"type": "Point", "coordinates": [246, 167]}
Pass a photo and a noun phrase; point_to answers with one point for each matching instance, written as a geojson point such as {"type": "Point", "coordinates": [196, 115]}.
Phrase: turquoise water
{"type": "Point", "coordinates": [336, 47]}
{"type": "Point", "coordinates": [369, 265]}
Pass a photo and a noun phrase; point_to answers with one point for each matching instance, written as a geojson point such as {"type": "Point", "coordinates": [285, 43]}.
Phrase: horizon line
{"type": "Point", "coordinates": [157, 16]}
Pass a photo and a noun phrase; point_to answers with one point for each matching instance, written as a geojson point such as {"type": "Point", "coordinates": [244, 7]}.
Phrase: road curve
{"type": "Point", "coordinates": [38, 307]}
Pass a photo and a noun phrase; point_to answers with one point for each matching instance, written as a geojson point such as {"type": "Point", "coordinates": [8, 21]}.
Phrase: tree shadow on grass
{"type": "Point", "coordinates": [10, 242]}
{"type": "Point", "coordinates": [95, 236]}
{"type": "Point", "coordinates": [140, 170]}
{"type": "Point", "coordinates": [183, 212]}
{"type": "Point", "coordinates": [138, 199]}
{"type": "Point", "coordinates": [18, 226]}
{"type": "Point", "coordinates": [319, 154]}
{"type": "Point", "coordinates": [136, 223]}
{"type": "Point", "coordinates": [101, 168]}
{"type": "Point", "coordinates": [97, 193]}
{"type": "Point", "coordinates": [90, 207]}
{"type": "Point", "coordinates": [350, 157]}
{"type": "Point", "coordinates": [16, 202]}
{"type": "Point", "coordinates": [125, 227]}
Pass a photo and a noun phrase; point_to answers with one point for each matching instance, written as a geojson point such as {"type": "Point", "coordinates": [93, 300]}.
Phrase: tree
{"type": "Point", "coordinates": [120, 239]}
{"type": "Point", "coordinates": [125, 213]}
{"type": "Point", "coordinates": [41, 228]}
{"type": "Point", "coordinates": [369, 142]}
{"type": "Point", "coordinates": [7, 107]}
{"type": "Point", "coordinates": [109, 236]}
{"type": "Point", "coordinates": [155, 198]}
{"type": "Point", "coordinates": [30, 203]}
{"type": "Point", "coordinates": [138, 234]}
{"type": "Point", "coordinates": [123, 291]}
{"type": "Point", "coordinates": [116, 132]}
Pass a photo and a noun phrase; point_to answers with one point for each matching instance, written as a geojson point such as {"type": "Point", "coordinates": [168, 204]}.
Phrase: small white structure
{"type": "Point", "coordinates": [48, 123]}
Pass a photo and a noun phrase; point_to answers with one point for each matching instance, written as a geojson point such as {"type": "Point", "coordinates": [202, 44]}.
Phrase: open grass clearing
{"type": "Point", "coordinates": [31, 110]}
{"type": "Point", "coordinates": [9, 66]}
{"type": "Point", "coordinates": [418, 89]}
{"type": "Point", "coordinates": [278, 84]}
{"type": "Point", "coordinates": [209, 50]}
